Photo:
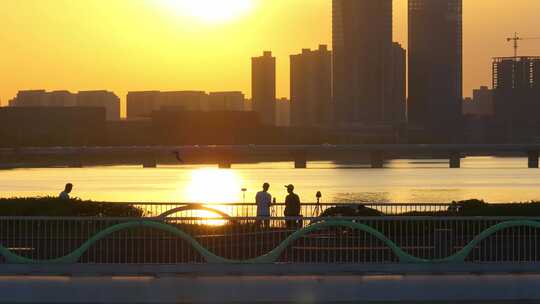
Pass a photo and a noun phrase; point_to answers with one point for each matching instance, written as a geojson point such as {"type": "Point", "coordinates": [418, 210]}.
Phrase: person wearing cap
{"type": "Point", "coordinates": [292, 206]}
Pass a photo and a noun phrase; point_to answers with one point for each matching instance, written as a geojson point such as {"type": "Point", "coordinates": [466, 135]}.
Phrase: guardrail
{"type": "Point", "coordinates": [277, 210]}
{"type": "Point", "coordinates": [359, 240]}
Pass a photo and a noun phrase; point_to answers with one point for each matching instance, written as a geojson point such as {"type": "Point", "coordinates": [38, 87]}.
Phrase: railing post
{"type": "Point", "coordinates": [225, 159]}
{"type": "Point", "coordinates": [443, 242]}
{"type": "Point", "coordinates": [300, 164]}
{"type": "Point", "coordinates": [300, 160]}
{"type": "Point", "coordinates": [225, 165]}
{"type": "Point", "coordinates": [377, 160]}
{"type": "Point", "coordinates": [533, 159]}
{"type": "Point", "coordinates": [150, 161]}
{"type": "Point", "coordinates": [75, 161]}
{"type": "Point", "coordinates": [455, 160]}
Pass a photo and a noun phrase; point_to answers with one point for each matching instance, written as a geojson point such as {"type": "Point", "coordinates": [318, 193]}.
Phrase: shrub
{"type": "Point", "coordinates": [51, 206]}
{"type": "Point", "coordinates": [351, 211]}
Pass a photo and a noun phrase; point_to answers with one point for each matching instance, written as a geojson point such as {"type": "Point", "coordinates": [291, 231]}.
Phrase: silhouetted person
{"type": "Point", "coordinates": [178, 156]}
{"type": "Point", "coordinates": [64, 195]}
{"type": "Point", "coordinates": [264, 201]}
{"type": "Point", "coordinates": [292, 206]}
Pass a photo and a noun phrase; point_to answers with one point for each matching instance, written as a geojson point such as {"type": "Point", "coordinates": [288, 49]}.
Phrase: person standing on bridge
{"type": "Point", "coordinates": [292, 206]}
{"type": "Point", "coordinates": [64, 195]}
{"type": "Point", "coordinates": [264, 201]}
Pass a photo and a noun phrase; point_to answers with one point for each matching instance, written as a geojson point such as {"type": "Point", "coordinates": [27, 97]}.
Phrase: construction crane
{"type": "Point", "coordinates": [516, 40]}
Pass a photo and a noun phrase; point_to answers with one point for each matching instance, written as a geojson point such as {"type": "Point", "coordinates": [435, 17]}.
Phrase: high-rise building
{"type": "Point", "coordinates": [283, 112]}
{"type": "Point", "coordinates": [143, 103]}
{"type": "Point", "coordinates": [311, 87]}
{"type": "Point", "coordinates": [62, 99]}
{"type": "Point", "coordinates": [396, 111]}
{"type": "Point", "coordinates": [226, 101]}
{"type": "Point", "coordinates": [29, 98]}
{"type": "Point", "coordinates": [185, 100]}
{"type": "Point", "coordinates": [42, 98]}
{"type": "Point", "coordinates": [362, 67]}
{"type": "Point", "coordinates": [516, 90]}
{"type": "Point", "coordinates": [102, 98]}
{"type": "Point", "coordinates": [263, 87]}
{"type": "Point", "coordinates": [481, 104]}
{"type": "Point", "coordinates": [435, 67]}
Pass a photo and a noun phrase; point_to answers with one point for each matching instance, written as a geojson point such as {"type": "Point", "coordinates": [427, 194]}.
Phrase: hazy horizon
{"type": "Point", "coordinates": [130, 45]}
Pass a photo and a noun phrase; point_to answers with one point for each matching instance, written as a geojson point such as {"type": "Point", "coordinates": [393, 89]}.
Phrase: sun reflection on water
{"type": "Point", "coordinates": [209, 185]}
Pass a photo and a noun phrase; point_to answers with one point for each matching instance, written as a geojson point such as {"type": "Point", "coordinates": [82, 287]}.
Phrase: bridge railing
{"type": "Point", "coordinates": [277, 210]}
{"type": "Point", "coordinates": [303, 240]}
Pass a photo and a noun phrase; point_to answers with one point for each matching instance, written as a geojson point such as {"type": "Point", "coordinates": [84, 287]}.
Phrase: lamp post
{"type": "Point", "coordinates": [318, 207]}
{"type": "Point", "coordinates": [244, 194]}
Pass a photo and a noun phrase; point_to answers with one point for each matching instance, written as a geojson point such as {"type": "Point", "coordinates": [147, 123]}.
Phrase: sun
{"type": "Point", "coordinates": [212, 11]}
{"type": "Point", "coordinates": [209, 185]}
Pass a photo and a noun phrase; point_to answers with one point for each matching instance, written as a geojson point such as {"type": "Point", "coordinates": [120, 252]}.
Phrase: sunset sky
{"type": "Point", "coordinates": [124, 45]}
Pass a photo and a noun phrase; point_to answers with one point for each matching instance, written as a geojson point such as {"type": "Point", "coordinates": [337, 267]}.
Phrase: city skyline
{"type": "Point", "coordinates": [269, 151]}
{"type": "Point", "coordinates": [131, 59]}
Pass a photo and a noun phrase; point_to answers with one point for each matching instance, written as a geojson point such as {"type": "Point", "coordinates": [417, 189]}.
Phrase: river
{"type": "Point", "coordinates": [492, 179]}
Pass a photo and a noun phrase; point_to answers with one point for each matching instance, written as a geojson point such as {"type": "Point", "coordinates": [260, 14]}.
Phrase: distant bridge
{"type": "Point", "coordinates": [225, 156]}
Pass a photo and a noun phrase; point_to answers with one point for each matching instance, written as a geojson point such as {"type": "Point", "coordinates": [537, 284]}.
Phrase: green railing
{"type": "Point", "coordinates": [266, 241]}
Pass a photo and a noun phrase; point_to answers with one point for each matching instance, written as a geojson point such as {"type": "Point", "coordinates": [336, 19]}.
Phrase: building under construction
{"type": "Point", "coordinates": [516, 93]}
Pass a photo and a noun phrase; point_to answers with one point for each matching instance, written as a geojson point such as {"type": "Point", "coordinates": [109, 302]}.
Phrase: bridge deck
{"type": "Point", "coordinates": [225, 156]}
{"type": "Point", "coordinates": [271, 288]}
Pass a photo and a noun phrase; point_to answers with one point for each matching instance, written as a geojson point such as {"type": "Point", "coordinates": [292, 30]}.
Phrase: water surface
{"type": "Point", "coordinates": [491, 179]}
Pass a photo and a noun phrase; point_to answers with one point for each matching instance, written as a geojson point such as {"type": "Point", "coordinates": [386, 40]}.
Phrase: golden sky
{"type": "Point", "coordinates": [124, 45]}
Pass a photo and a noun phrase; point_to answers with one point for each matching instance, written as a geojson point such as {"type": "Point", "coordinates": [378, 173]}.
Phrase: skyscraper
{"type": "Point", "coordinates": [398, 107]}
{"type": "Point", "coordinates": [435, 66]}
{"type": "Point", "coordinates": [311, 87]}
{"type": "Point", "coordinates": [362, 47]}
{"type": "Point", "coordinates": [263, 87]}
